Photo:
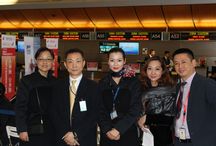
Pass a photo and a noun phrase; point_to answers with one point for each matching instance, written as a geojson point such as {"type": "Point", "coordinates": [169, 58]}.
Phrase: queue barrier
{"type": "Point", "coordinates": [11, 132]}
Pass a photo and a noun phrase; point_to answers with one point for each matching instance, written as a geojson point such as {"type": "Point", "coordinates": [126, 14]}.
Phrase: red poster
{"type": "Point", "coordinates": [56, 63]}
{"type": "Point", "coordinates": [92, 66]}
{"type": "Point", "coordinates": [8, 71]}
{"type": "Point", "coordinates": [52, 43]}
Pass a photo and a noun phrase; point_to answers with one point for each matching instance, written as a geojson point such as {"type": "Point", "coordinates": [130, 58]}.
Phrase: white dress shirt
{"type": "Point", "coordinates": [78, 79]}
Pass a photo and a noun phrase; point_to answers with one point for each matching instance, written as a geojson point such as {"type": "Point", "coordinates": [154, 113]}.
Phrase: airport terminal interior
{"type": "Point", "coordinates": [96, 26]}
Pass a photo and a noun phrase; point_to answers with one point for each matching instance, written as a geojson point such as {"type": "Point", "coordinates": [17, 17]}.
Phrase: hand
{"type": "Point", "coordinates": [24, 136]}
{"type": "Point", "coordinates": [113, 134]}
{"type": "Point", "coordinates": [141, 122]}
{"type": "Point", "coordinates": [70, 140]}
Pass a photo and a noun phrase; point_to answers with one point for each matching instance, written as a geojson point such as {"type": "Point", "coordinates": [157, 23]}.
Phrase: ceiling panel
{"type": "Point", "coordinates": [157, 18]}
{"type": "Point", "coordinates": [178, 17]}
{"type": "Point", "coordinates": [204, 16]}
{"type": "Point", "coordinates": [78, 18]}
{"type": "Point", "coordinates": [45, 4]}
{"type": "Point", "coordinates": [56, 18]}
{"type": "Point", "coordinates": [36, 18]}
{"type": "Point", "coordinates": [151, 17]}
{"type": "Point", "coordinates": [126, 17]}
{"type": "Point", "coordinates": [5, 24]}
{"type": "Point", "coordinates": [16, 18]}
{"type": "Point", "coordinates": [101, 17]}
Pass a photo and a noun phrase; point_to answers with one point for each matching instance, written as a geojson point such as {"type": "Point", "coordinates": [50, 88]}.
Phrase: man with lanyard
{"type": "Point", "coordinates": [196, 103]}
{"type": "Point", "coordinates": [75, 104]}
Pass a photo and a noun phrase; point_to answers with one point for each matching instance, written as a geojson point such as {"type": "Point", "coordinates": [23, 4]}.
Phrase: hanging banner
{"type": "Point", "coordinates": [32, 44]}
{"type": "Point", "coordinates": [8, 64]}
{"type": "Point", "coordinates": [52, 43]}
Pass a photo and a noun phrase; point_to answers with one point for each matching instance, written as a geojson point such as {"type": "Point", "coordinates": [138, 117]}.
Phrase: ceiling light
{"type": "Point", "coordinates": [8, 2]}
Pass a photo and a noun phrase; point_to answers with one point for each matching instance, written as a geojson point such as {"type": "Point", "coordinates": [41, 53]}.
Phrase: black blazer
{"type": "Point", "coordinates": [128, 104]}
{"type": "Point", "coordinates": [83, 123]}
{"type": "Point", "coordinates": [201, 117]}
{"type": "Point", "coordinates": [26, 107]}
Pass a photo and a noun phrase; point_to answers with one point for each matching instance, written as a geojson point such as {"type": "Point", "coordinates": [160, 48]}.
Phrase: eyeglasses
{"type": "Point", "coordinates": [74, 61]}
{"type": "Point", "coordinates": [43, 59]}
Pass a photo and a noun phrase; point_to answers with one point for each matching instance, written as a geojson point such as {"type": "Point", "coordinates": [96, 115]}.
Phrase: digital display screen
{"type": "Point", "coordinates": [20, 46]}
{"type": "Point", "coordinates": [130, 48]}
{"type": "Point", "coordinates": [105, 47]}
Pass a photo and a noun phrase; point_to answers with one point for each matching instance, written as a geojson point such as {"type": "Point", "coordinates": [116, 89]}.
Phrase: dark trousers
{"type": "Point", "coordinates": [178, 143]}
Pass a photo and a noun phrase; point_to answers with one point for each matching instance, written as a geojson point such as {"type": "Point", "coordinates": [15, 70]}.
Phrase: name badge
{"type": "Point", "coordinates": [182, 133]}
{"type": "Point", "coordinates": [113, 114]}
{"type": "Point", "coordinates": [83, 106]}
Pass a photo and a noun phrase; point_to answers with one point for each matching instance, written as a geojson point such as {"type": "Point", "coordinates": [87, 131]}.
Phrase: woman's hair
{"type": "Point", "coordinates": [43, 49]}
{"type": "Point", "coordinates": [165, 79]}
{"type": "Point", "coordinates": [116, 50]}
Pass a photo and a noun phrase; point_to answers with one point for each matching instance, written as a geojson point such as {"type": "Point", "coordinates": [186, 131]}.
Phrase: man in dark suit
{"type": "Point", "coordinates": [167, 59]}
{"type": "Point", "coordinates": [150, 54]}
{"type": "Point", "coordinates": [75, 111]}
{"type": "Point", "coordinates": [196, 103]}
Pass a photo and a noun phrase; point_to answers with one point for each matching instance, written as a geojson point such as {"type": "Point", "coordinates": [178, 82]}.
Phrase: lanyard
{"type": "Point", "coordinates": [115, 96]}
{"type": "Point", "coordinates": [7, 112]}
{"type": "Point", "coordinates": [72, 91]}
{"type": "Point", "coordinates": [185, 108]}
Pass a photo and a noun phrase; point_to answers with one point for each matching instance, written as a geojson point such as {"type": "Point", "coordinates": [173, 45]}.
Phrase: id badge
{"type": "Point", "coordinates": [113, 114]}
{"type": "Point", "coordinates": [182, 133]}
{"type": "Point", "coordinates": [83, 106]}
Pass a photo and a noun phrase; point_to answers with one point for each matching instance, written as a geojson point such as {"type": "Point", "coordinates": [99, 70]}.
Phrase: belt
{"type": "Point", "coordinates": [184, 140]}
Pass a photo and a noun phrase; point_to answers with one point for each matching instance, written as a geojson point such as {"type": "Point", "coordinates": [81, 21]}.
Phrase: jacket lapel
{"type": "Point", "coordinates": [66, 94]}
{"type": "Point", "coordinates": [81, 90]}
{"type": "Point", "coordinates": [193, 88]}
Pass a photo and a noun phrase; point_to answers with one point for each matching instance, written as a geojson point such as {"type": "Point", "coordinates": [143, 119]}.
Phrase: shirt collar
{"type": "Point", "coordinates": [78, 79]}
{"type": "Point", "coordinates": [189, 80]}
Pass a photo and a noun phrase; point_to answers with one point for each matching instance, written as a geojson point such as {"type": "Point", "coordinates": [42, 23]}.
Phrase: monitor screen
{"type": "Point", "coordinates": [20, 46]}
{"type": "Point", "coordinates": [130, 48]}
{"type": "Point", "coordinates": [106, 46]}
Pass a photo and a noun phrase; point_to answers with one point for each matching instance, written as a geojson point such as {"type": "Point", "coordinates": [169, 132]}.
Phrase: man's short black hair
{"type": "Point", "coordinates": [74, 50]}
{"type": "Point", "coordinates": [184, 51]}
{"type": "Point", "coordinates": [166, 52]}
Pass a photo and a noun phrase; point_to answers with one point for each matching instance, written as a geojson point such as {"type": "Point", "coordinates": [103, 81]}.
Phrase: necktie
{"type": "Point", "coordinates": [179, 102]}
{"type": "Point", "coordinates": [72, 95]}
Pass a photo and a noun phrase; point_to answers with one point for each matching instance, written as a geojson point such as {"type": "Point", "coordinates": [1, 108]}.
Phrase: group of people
{"type": "Point", "coordinates": [70, 109]}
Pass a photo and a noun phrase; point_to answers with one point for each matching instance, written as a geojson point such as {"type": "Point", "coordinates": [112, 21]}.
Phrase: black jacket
{"type": "Point", "coordinates": [5, 119]}
{"type": "Point", "coordinates": [201, 111]}
{"type": "Point", "coordinates": [159, 105]}
{"type": "Point", "coordinates": [26, 107]}
{"type": "Point", "coordinates": [128, 103]}
{"type": "Point", "coordinates": [84, 123]}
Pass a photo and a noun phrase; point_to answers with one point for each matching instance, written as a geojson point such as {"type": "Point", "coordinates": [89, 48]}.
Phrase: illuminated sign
{"type": "Point", "coordinates": [133, 36]}
{"type": "Point", "coordinates": [70, 36]}
{"type": "Point", "coordinates": [51, 35]}
{"type": "Point", "coordinates": [191, 36]}
{"type": "Point", "coordinates": [84, 36]}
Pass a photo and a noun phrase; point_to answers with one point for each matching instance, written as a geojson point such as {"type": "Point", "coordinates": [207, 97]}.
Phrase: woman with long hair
{"type": "Point", "coordinates": [158, 101]}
